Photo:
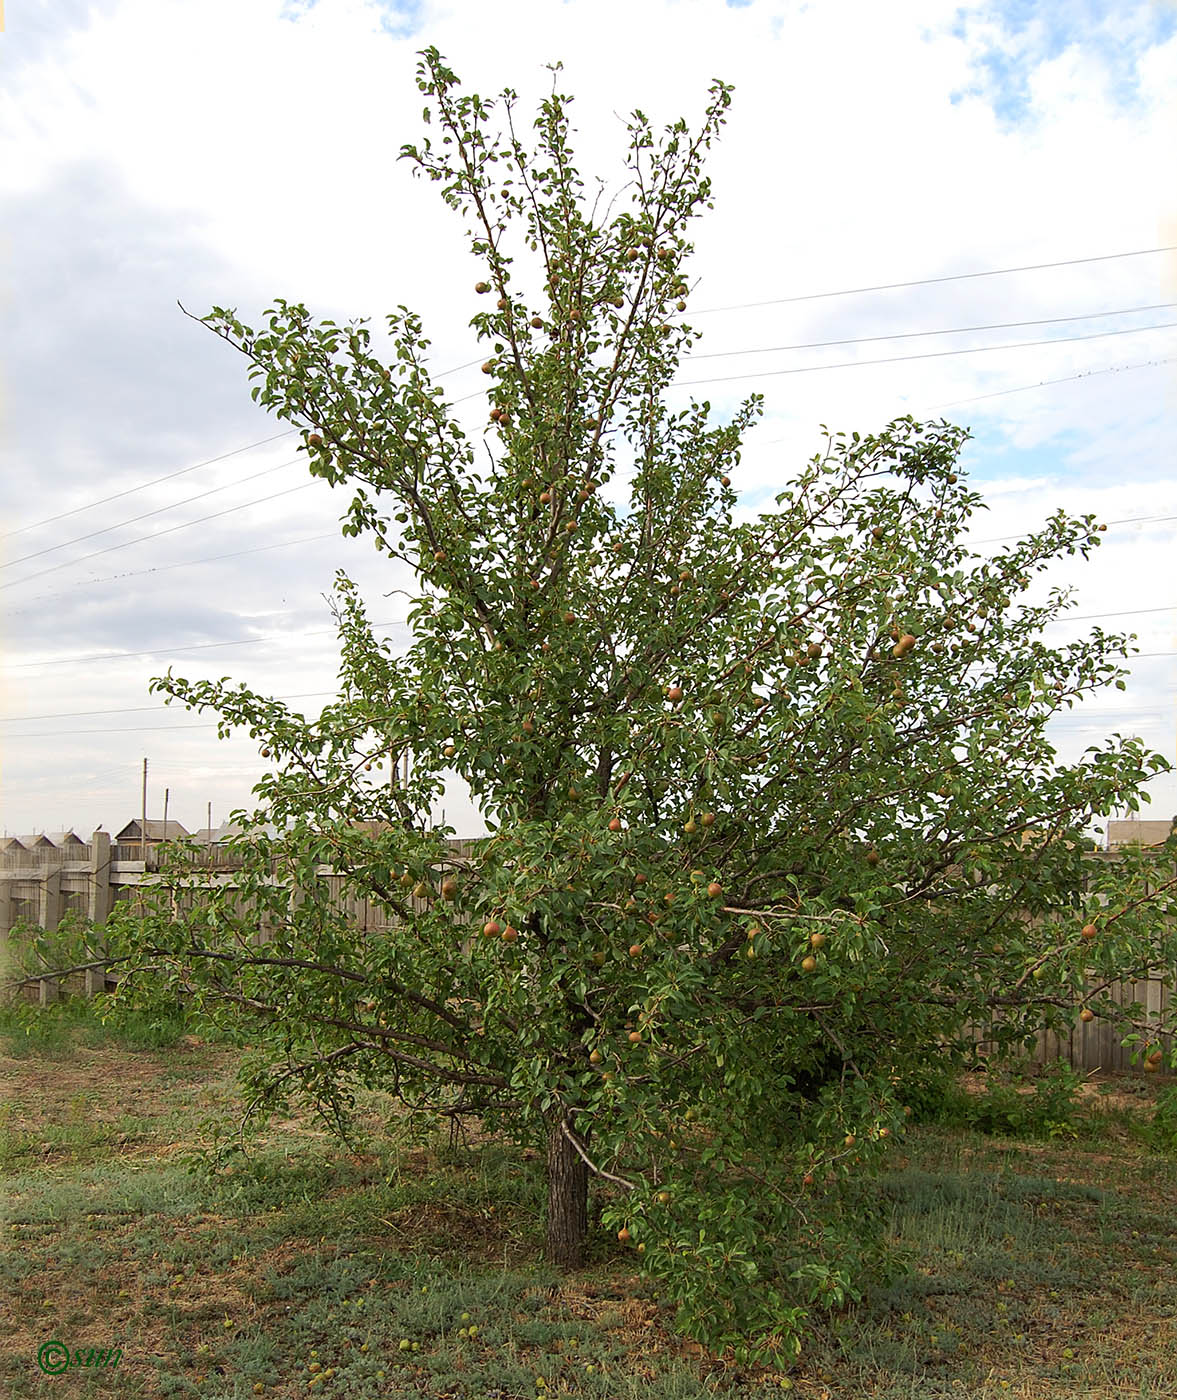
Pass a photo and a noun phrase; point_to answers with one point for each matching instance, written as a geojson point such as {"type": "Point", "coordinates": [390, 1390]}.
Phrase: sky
{"type": "Point", "coordinates": [163, 155]}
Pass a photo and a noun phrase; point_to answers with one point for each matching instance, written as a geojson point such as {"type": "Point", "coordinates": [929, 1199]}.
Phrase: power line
{"type": "Point", "coordinates": [198, 521]}
{"type": "Point", "coordinates": [1043, 383]}
{"type": "Point", "coordinates": [176, 728]}
{"type": "Point", "coordinates": [926, 355]}
{"type": "Point", "coordinates": [160, 510]}
{"type": "Point", "coordinates": [191, 563]}
{"type": "Point", "coordinates": [170, 476]}
{"type": "Point", "coordinates": [395, 622]}
{"type": "Point", "coordinates": [1127, 520]}
{"type": "Point", "coordinates": [1119, 612]}
{"type": "Point", "coordinates": [183, 564]}
{"type": "Point", "coordinates": [331, 534]}
{"type": "Point", "coordinates": [134, 729]}
{"type": "Point", "coordinates": [682, 384]}
{"type": "Point", "coordinates": [300, 695]}
{"type": "Point", "coordinates": [705, 311]}
{"type": "Point", "coordinates": [53, 568]}
{"type": "Point", "coordinates": [142, 709]}
{"type": "Point", "coordinates": [913, 335]}
{"type": "Point", "coordinates": [194, 646]}
{"type": "Point", "coordinates": [802, 369]}
{"type": "Point", "coordinates": [130, 491]}
{"type": "Point", "coordinates": [929, 281]}
{"type": "Point", "coordinates": [706, 356]}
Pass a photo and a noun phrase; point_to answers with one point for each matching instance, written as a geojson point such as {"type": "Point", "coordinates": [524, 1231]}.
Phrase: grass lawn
{"type": "Point", "coordinates": [1038, 1269]}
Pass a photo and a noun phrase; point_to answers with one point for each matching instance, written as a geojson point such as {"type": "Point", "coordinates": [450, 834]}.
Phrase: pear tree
{"type": "Point", "coordinates": [774, 818]}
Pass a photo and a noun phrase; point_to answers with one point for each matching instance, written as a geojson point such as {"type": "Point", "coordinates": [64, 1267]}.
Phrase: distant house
{"type": "Point", "coordinates": [11, 845]}
{"type": "Point", "coordinates": [157, 831]}
{"type": "Point", "coordinates": [1134, 832]}
{"type": "Point", "coordinates": [226, 830]}
{"type": "Point", "coordinates": [67, 840]}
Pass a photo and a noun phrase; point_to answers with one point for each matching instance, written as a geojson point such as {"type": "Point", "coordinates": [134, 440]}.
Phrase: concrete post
{"type": "Point", "coordinates": [6, 970]}
{"type": "Point", "coordinates": [49, 916]}
{"type": "Point", "coordinates": [99, 900]}
{"type": "Point", "coordinates": [49, 911]}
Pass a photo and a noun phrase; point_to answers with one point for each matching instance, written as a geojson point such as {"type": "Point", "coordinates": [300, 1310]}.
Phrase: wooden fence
{"type": "Point", "coordinates": [41, 884]}
{"type": "Point", "coordinates": [1093, 1045]}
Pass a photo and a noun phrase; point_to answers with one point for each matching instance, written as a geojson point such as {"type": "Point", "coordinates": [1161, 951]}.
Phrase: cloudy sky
{"type": "Point", "coordinates": [155, 152]}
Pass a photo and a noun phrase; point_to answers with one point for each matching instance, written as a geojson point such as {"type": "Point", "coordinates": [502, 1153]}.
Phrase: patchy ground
{"type": "Point", "coordinates": [1042, 1269]}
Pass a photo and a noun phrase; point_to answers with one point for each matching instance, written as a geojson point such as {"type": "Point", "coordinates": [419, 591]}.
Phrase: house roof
{"type": "Point", "coordinates": [227, 829]}
{"type": "Point", "coordinates": [65, 838]}
{"type": "Point", "coordinates": [155, 830]}
{"type": "Point", "coordinates": [12, 843]}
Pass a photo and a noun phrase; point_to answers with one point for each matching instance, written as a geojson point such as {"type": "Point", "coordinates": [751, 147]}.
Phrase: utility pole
{"type": "Point", "coordinates": [143, 820]}
{"type": "Point", "coordinates": [166, 791]}
{"type": "Point", "coordinates": [209, 823]}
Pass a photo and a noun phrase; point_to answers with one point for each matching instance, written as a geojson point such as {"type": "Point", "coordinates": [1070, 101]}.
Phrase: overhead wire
{"type": "Point", "coordinates": [333, 534]}
{"type": "Point", "coordinates": [185, 525]}
{"type": "Point", "coordinates": [143, 709]}
{"type": "Point", "coordinates": [182, 564]}
{"type": "Point", "coordinates": [160, 510]}
{"type": "Point", "coordinates": [924, 355]}
{"type": "Point", "coordinates": [915, 335]}
{"type": "Point", "coordinates": [299, 695]}
{"type": "Point", "coordinates": [1126, 520]}
{"type": "Point", "coordinates": [802, 369]}
{"type": "Point", "coordinates": [813, 296]}
{"type": "Point", "coordinates": [130, 491]}
{"type": "Point", "coordinates": [192, 646]}
{"type": "Point", "coordinates": [391, 622]}
{"type": "Point", "coordinates": [930, 281]}
{"type": "Point", "coordinates": [1068, 716]}
{"type": "Point", "coordinates": [1044, 383]}
{"type": "Point", "coordinates": [183, 471]}
{"type": "Point", "coordinates": [778, 301]}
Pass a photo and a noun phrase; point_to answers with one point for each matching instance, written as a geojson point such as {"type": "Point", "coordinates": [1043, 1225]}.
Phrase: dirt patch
{"type": "Point", "coordinates": [1109, 1088]}
{"type": "Point", "coordinates": [104, 1083]}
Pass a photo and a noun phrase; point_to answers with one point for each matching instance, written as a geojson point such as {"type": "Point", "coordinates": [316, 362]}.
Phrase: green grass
{"type": "Point", "coordinates": [1039, 1267]}
{"type": "Point", "coordinates": [25, 1031]}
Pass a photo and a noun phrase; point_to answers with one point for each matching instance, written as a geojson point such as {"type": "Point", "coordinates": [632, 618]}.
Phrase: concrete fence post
{"type": "Point", "coordinates": [49, 911]}
{"type": "Point", "coordinates": [99, 901]}
{"type": "Point", "coordinates": [6, 969]}
{"type": "Point", "coordinates": [49, 916]}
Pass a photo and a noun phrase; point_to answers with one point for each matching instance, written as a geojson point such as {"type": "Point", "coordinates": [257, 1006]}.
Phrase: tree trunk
{"type": "Point", "coordinates": [567, 1201]}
